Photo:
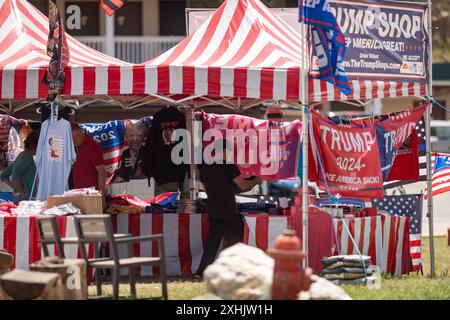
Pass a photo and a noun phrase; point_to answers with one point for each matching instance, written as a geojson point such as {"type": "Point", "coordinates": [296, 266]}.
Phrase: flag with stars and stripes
{"type": "Point", "coordinates": [110, 6]}
{"type": "Point", "coordinates": [440, 183]}
{"type": "Point", "coordinates": [421, 134]}
{"type": "Point", "coordinates": [111, 138]}
{"type": "Point", "coordinates": [408, 206]}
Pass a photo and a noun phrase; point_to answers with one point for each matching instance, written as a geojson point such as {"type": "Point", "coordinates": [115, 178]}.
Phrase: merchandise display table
{"type": "Point", "coordinates": [385, 238]}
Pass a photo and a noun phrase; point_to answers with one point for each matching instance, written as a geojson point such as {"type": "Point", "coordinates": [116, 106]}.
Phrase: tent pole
{"type": "Point", "coordinates": [192, 133]}
{"type": "Point", "coordinates": [428, 143]}
{"type": "Point", "coordinates": [109, 30]}
{"type": "Point", "coordinates": [305, 180]}
{"type": "Point", "coordinates": [305, 116]}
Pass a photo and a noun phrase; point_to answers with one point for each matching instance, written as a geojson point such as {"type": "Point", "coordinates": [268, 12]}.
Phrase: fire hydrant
{"type": "Point", "coordinates": [288, 275]}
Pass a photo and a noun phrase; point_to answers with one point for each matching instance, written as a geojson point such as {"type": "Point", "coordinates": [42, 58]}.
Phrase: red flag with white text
{"type": "Point", "coordinates": [350, 158]}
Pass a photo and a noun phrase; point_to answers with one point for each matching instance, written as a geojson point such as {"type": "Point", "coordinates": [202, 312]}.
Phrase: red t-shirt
{"type": "Point", "coordinates": [89, 156]}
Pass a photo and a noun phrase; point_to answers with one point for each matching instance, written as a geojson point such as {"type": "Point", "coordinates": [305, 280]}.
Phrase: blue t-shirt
{"type": "Point", "coordinates": [55, 156]}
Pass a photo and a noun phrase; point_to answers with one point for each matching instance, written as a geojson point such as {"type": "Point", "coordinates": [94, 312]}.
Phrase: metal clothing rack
{"type": "Point", "coordinates": [54, 110]}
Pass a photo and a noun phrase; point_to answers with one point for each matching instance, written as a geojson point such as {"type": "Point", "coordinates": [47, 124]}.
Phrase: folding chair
{"type": "Point", "coordinates": [49, 235]}
{"type": "Point", "coordinates": [98, 228]}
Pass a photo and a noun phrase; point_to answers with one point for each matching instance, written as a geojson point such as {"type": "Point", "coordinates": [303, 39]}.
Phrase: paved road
{"type": "Point", "coordinates": [441, 210]}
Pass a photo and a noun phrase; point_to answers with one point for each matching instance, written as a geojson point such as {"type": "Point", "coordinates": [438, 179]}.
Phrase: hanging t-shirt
{"type": "Point", "coordinates": [55, 156]}
{"type": "Point", "coordinates": [157, 161]}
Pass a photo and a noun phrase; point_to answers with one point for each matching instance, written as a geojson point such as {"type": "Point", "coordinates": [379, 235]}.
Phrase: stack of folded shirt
{"type": "Point", "coordinates": [156, 208]}
{"type": "Point", "coordinates": [257, 207]}
{"type": "Point", "coordinates": [63, 210]}
{"type": "Point", "coordinates": [30, 208]}
{"type": "Point", "coordinates": [347, 269]}
{"type": "Point", "coordinates": [83, 191]}
{"type": "Point", "coordinates": [116, 209]}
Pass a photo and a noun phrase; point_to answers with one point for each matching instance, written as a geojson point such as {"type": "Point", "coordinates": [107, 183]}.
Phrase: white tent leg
{"type": "Point", "coordinates": [428, 146]}
{"type": "Point", "coordinates": [193, 192]}
{"type": "Point", "coordinates": [305, 179]}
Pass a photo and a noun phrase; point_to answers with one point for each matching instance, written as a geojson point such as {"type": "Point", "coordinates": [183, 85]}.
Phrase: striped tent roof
{"type": "Point", "coordinates": [242, 51]}
{"type": "Point", "coordinates": [246, 51]}
{"type": "Point", "coordinates": [23, 58]}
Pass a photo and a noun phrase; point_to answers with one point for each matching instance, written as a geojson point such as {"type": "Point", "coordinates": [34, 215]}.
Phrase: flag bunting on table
{"type": "Point", "coordinates": [110, 6]}
{"type": "Point", "coordinates": [408, 206]}
{"type": "Point", "coordinates": [440, 183]}
{"type": "Point", "coordinates": [328, 41]}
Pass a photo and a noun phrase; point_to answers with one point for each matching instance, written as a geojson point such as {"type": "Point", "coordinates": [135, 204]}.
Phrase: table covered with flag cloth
{"type": "Point", "coordinates": [185, 236]}
{"type": "Point", "coordinates": [385, 238]}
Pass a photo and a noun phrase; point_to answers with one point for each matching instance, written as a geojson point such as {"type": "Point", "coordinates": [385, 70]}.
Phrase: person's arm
{"type": "Point", "coordinates": [5, 174]}
{"type": "Point", "coordinates": [246, 185]}
{"type": "Point", "coordinates": [19, 186]}
{"type": "Point", "coordinates": [21, 164]}
{"type": "Point", "coordinates": [101, 170]}
{"type": "Point", "coordinates": [97, 161]}
{"type": "Point", "coordinates": [23, 161]}
{"type": "Point", "coordinates": [9, 183]}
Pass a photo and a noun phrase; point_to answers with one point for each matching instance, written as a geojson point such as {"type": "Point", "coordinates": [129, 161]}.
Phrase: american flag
{"type": "Point", "coordinates": [441, 174]}
{"type": "Point", "coordinates": [111, 138]}
{"type": "Point", "coordinates": [407, 206]}
{"type": "Point", "coordinates": [110, 6]}
{"type": "Point", "coordinates": [421, 133]}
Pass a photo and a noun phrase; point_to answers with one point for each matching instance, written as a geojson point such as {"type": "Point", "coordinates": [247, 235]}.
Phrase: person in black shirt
{"type": "Point", "coordinates": [220, 180]}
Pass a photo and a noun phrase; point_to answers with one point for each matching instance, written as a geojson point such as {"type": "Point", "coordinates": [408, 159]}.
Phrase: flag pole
{"type": "Point", "coordinates": [109, 31]}
{"type": "Point", "coordinates": [305, 126]}
{"type": "Point", "coordinates": [428, 141]}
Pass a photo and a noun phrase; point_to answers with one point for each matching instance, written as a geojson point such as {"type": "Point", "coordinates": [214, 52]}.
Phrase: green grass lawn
{"type": "Point", "coordinates": [413, 286]}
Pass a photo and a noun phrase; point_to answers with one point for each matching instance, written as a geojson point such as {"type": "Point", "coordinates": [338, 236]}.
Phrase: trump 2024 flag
{"type": "Point", "coordinates": [328, 41]}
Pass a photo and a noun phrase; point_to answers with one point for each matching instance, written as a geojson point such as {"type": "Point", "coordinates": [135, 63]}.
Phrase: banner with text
{"type": "Point", "coordinates": [350, 158]}
{"type": "Point", "coordinates": [268, 149]}
{"type": "Point", "coordinates": [385, 40]}
{"type": "Point", "coordinates": [392, 134]}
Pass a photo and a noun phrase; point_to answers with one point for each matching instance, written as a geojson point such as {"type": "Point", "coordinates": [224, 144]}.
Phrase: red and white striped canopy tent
{"type": "Point", "coordinates": [242, 55]}
{"type": "Point", "coordinates": [23, 59]}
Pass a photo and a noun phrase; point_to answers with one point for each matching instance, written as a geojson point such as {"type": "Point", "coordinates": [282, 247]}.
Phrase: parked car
{"type": "Point", "coordinates": [440, 136]}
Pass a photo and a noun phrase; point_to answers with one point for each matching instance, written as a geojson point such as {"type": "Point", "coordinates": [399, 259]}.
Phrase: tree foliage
{"type": "Point", "coordinates": [441, 28]}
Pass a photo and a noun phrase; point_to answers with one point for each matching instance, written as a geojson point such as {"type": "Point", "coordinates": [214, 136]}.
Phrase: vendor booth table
{"type": "Point", "coordinates": [384, 238]}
